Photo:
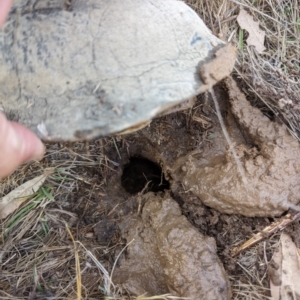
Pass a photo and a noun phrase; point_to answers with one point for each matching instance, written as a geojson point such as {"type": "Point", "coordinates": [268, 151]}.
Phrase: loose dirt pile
{"type": "Point", "coordinates": [168, 255]}
{"type": "Point", "coordinates": [267, 183]}
{"type": "Point", "coordinates": [206, 169]}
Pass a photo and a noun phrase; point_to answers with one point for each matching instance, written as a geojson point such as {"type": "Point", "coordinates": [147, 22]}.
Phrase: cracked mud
{"type": "Point", "coordinates": [271, 166]}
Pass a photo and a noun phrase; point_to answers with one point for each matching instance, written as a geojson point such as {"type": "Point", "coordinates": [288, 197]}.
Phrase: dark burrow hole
{"type": "Point", "coordinates": [140, 171]}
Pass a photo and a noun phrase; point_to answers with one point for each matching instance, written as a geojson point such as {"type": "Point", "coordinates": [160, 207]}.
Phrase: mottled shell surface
{"type": "Point", "coordinates": [95, 68]}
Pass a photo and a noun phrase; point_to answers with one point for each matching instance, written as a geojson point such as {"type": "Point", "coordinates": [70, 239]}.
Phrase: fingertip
{"type": "Point", "coordinates": [31, 147]}
{"type": "Point", "coordinates": [4, 9]}
{"type": "Point", "coordinates": [17, 145]}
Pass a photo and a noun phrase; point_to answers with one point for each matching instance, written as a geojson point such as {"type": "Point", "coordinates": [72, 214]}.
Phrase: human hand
{"type": "Point", "coordinates": [17, 143]}
{"type": "Point", "coordinates": [4, 9]}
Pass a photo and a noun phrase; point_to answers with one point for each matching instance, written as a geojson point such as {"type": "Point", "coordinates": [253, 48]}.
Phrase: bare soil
{"type": "Point", "coordinates": [163, 208]}
{"type": "Point", "coordinates": [114, 214]}
{"type": "Point", "coordinates": [127, 199]}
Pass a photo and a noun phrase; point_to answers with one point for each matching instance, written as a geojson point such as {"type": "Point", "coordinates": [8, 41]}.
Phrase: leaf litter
{"type": "Point", "coordinates": [284, 270]}
{"type": "Point", "coordinates": [13, 200]}
{"type": "Point", "coordinates": [256, 35]}
{"type": "Point", "coordinates": [76, 204]}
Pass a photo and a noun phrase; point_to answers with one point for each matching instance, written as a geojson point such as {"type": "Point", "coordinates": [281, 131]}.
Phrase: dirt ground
{"type": "Point", "coordinates": [122, 198]}
{"type": "Point", "coordinates": [156, 214]}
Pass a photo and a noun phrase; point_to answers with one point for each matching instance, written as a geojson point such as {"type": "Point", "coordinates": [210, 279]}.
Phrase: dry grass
{"type": "Point", "coordinates": [44, 253]}
{"type": "Point", "coordinates": [271, 79]}
{"type": "Point", "coordinates": [37, 256]}
{"type": "Point", "coordinates": [39, 259]}
{"type": "Point", "coordinates": [252, 284]}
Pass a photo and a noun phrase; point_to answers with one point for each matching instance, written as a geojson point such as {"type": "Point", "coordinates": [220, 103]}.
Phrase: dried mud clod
{"type": "Point", "coordinates": [270, 182]}
{"type": "Point", "coordinates": [216, 70]}
{"type": "Point", "coordinates": [169, 255]}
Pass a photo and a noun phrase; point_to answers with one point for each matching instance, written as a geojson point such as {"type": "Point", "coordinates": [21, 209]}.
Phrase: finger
{"type": "Point", "coordinates": [17, 145]}
{"type": "Point", "coordinates": [4, 9]}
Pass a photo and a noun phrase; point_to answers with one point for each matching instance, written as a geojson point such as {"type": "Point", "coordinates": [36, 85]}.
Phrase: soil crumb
{"type": "Point", "coordinates": [169, 255]}
{"type": "Point", "coordinates": [215, 70]}
{"type": "Point", "coordinates": [271, 164]}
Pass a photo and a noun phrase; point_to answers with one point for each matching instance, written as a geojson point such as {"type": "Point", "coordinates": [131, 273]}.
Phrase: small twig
{"type": "Point", "coordinates": [226, 135]}
{"type": "Point", "coordinates": [266, 232]}
{"type": "Point", "coordinates": [142, 192]}
{"type": "Point", "coordinates": [100, 266]}
{"type": "Point", "coordinates": [115, 263]}
{"type": "Point", "coordinates": [77, 263]}
{"type": "Point", "coordinates": [116, 147]}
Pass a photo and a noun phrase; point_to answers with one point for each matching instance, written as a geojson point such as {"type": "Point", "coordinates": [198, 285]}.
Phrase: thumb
{"type": "Point", "coordinates": [17, 145]}
{"type": "Point", "coordinates": [4, 9]}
